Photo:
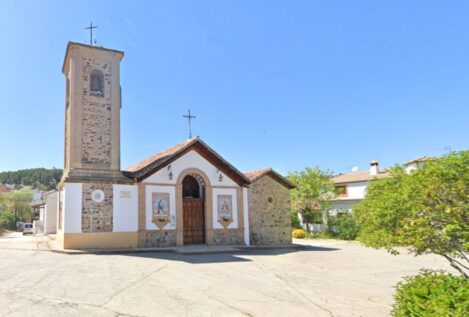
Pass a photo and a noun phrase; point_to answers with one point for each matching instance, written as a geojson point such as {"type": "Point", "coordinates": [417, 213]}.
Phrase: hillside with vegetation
{"type": "Point", "coordinates": [39, 178]}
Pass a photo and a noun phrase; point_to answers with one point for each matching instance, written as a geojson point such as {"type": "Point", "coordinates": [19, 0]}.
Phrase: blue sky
{"type": "Point", "coordinates": [286, 84]}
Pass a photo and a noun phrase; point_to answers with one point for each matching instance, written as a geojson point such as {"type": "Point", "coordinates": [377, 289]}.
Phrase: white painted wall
{"type": "Point", "coordinates": [125, 208]}
{"type": "Point", "coordinates": [356, 190]}
{"type": "Point", "coordinates": [172, 206]}
{"type": "Point", "coordinates": [224, 191]}
{"type": "Point", "coordinates": [50, 214]}
{"type": "Point", "coordinates": [72, 205]}
{"type": "Point", "coordinates": [37, 196]}
{"type": "Point", "coordinates": [410, 167]}
{"type": "Point", "coordinates": [246, 215]}
{"type": "Point", "coordinates": [60, 198]}
{"type": "Point", "coordinates": [190, 160]}
{"type": "Point", "coordinates": [342, 206]}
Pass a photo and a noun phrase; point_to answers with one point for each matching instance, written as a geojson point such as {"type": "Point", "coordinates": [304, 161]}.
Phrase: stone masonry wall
{"type": "Point", "coordinates": [269, 212]}
{"type": "Point", "coordinates": [67, 138]}
{"type": "Point", "coordinates": [97, 217]}
{"type": "Point", "coordinates": [96, 118]}
{"type": "Point", "coordinates": [227, 237]}
{"type": "Point", "coordinates": [157, 239]}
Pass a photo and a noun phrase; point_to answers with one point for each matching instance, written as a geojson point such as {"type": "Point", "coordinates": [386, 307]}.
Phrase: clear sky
{"type": "Point", "coordinates": [286, 84]}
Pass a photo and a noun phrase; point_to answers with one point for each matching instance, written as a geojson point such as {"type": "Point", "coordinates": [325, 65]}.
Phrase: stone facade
{"type": "Point", "coordinates": [269, 212]}
{"type": "Point", "coordinates": [227, 236]}
{"type": "Point", "coordinates": [67, 133]}
{"type": "Point", "coordinates": [157, 239]}
{"type": "Point", "coordinates": [92, 120]}
{"type": "Point", "coordinates": [97, 216]}
{"type": "Point", "coordinates": [96, 117]}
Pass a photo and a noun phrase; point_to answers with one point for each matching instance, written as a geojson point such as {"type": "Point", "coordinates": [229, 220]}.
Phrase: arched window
{"type": "Point", "coordinates": [192, 188]}
{"type": "Point", "coordinates": [96, 83]}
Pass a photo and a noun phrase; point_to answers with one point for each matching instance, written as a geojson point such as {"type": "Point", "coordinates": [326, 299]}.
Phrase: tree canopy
{"type": "Point", "coordinates": [40, 178]}
{"type": "Point", "coordinates": [426, 210]}
{"type": "Point", "coordinates": [15, 206]}
{"type": "Point", "coordinates": [313, 192]}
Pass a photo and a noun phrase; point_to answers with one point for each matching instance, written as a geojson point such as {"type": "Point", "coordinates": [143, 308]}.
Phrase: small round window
{"type": "Point", "coordinates": [97, 196]}
{"type": "Point", "coordinates": [270, 199]}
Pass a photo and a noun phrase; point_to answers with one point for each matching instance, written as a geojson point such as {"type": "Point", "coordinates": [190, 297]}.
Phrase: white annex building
{"type": "Point", "coordinates": [187, 194]}
{"type": "Point", "coordinates": [351, 187]}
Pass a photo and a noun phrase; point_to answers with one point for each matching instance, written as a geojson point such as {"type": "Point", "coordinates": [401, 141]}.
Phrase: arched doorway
{"type": "Point", "coordinates": [193, 202]}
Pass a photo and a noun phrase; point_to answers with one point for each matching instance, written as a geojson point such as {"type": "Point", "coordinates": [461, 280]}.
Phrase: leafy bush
{"type": "Point", "coordinates": [295, 220]}
{"type": "Point", "coordinates": [343, 227]}
{"type": "Point", "coordinates": [315, 217]}
{"type": "Point", "coordinates": [15, 206]}
{"type": "Point", "coordinates": [432, 294]}
{"type": "Point", "coordinates": [298, 234]}
{"type": "Point", "coordinates": [426, 210]}
{"type": "Point", "coordinates": [7, 220]}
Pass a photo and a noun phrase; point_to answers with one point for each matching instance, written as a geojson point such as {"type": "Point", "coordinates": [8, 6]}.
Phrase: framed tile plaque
{"type": "Point", "coordinates": [225, 210]}
{"type": "Point", "coordinates": [160, 209]}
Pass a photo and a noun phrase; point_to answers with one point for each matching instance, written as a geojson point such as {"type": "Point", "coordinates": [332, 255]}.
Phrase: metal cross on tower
{"type": "Point", "coordinates": [189, 117]}
{"type": "Point", "coordinates": [91, 27]}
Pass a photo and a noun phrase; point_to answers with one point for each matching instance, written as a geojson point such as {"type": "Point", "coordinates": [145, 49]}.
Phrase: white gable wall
{"type": "Point", "coordinates": [72, 205]}
{"type": "Point", "coordinates": [50, 215]}
{"type": "Point", "coordinates": [125, 208]}
{"type": "Point", "coordinates": [191, 159]}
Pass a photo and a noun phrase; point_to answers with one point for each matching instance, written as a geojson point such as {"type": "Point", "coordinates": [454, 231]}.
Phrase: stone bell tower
{"type": "Point", "coordinates": [92, 114]}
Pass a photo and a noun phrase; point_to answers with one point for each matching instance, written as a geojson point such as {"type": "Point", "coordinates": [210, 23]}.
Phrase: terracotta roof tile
{"type": "Point", "coordinates": [150, 165]}
{"type": "Point", "coordinates": [359, 176]}
{"type": "Point", "coordinates": [255, 175]}
{"type": "Point", "coordinates": [420, 159]}
{"type": "Point", "coordinates": [161, 156]}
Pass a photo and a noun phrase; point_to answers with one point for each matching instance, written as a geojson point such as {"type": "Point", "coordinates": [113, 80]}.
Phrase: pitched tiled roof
{"type": "Point", "coordinates": [152, 164]}
{"type": "Point", "coordinates": [158, 157]}
{"type": "Point", "coordinates": [420, 159]}
{"type": "Point", "coordinates": [359, 176]}
{"type": "Point", "coordinates": [255, 175]}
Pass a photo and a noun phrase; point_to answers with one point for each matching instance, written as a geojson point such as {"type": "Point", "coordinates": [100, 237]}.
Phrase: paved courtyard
{"type": "Point", "coordinates": [329, 278]}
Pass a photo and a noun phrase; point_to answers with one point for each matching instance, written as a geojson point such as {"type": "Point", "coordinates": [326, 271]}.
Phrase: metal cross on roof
{"type": "Point", "coordinates": [91, 27]}
{"type": "Point", "coordinates": [189, 117]}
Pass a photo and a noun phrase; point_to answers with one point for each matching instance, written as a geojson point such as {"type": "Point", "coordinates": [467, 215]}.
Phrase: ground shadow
{"type": "Point", "coordinates": [225, 257]}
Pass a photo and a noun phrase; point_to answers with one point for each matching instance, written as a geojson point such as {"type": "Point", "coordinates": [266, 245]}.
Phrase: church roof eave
{"type": "Point", "coordinates": [154, 163]}
{"type": "Point", "coordinates": [255, 175]}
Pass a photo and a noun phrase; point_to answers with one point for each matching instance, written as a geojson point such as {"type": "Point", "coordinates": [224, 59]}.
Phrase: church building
{"type": "Point", "coordinates": [187, 194]}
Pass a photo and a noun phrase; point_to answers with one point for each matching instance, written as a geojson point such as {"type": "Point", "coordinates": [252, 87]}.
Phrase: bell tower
{"type": "Point", "coordinates": [92, 114]}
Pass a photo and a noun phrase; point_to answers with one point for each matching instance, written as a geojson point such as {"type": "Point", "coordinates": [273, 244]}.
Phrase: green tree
{"type": "Point", "coordinates": [426, 210]}
{"type": "Point", "coordinates": [312, 194]}
{"type": "Point", "coordinates": [40, 178]}
{"type": "Point", "coordinates": [15, 206]}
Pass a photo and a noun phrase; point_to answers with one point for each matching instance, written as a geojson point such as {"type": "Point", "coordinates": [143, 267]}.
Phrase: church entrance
{"type": "Point", "coordinates": [193, 193]}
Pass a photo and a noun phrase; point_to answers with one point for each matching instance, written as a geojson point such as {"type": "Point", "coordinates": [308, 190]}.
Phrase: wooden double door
{"type": "Point", "coordinates": [194, 220]}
